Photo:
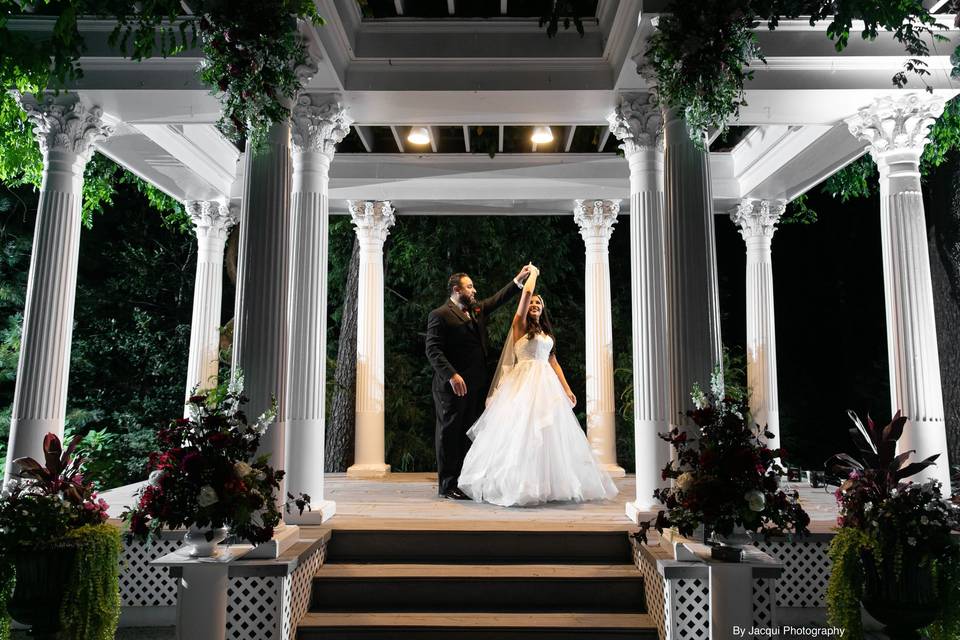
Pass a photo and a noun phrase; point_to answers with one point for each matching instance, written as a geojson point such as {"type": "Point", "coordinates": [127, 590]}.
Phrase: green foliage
{"type": "Point", "coordinates": [91, 604]}
{"type": "Point", "coordinates": [845, 585]}
{"type": "Point", "coordinates": [701, 53]}
{"type": "Point", "coordinates": [7, 580]}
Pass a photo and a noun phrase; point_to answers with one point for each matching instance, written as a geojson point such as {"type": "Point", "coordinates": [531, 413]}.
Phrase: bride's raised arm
{"type": "Point", "coordinates": [520, 318]}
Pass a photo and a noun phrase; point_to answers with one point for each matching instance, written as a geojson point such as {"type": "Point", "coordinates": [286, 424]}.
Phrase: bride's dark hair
{"type": "Point", "coordinates": [541, 325]}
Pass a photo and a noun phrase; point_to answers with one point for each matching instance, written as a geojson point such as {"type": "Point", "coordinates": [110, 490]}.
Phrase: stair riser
{"type": "Point", "coordinates": [395, 633]}
{"type": "Point", "coordinates": [478, 547]}
{"type": "Point", "coordinates": [592, 595]}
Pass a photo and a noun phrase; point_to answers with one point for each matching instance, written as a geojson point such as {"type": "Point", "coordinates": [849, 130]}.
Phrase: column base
{"type": "Point", "coordinates": [321, 511]}
{"type": "Point", "coordinates": [284, 537]}
{"type": "Point", "coordinates": [368, 471]}
{"type": "Point", "coordinates": [615, 470]}
{"type": "Point", "coordinates": [637, 511]}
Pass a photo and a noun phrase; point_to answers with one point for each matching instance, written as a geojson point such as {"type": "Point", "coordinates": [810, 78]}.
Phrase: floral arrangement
{"type": "Point", "coordinates": [208, 475]}
{"type": "Point", "coordinates": [52, 507]}
{"type": "Point", "coordinates": [887, 517]}
{"type": "Point", "coordinates": [725, 476]}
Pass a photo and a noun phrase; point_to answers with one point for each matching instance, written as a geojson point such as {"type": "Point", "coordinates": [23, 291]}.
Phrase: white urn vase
{"type": "Point", "coordinates": [202, 542]}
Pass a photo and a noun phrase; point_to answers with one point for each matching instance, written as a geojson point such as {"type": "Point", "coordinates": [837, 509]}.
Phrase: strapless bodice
{"type": "Point", "coordinates": [536, 348]}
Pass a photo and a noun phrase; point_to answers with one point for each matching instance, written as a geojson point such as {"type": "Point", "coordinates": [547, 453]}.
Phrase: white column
{"type": "Point", "coordinates": [693, 307]}
{"type": "Point", "coordinates": [895, 130]}
{"type": "Point", "coordinates": [67, 132]}
{"type": "Point", "coordinates": [637, 124]}
{"type": "Point", "coordinates": [372, 221]}
{"type": "Point", "coordinates": [757, 221]}
{"type": "Point", "coordinates": [211, 223]}
{"type": "Point", "coordinates": [596, 219]}
{"type": "Point", "coordinates": [316, 131]}
{"type": "Point", "coordinates": [260, 311]}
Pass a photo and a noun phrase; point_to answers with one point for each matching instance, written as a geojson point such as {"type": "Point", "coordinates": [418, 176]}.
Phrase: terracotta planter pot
{"type": "Point", "coordinates": [42, 579]}
{"type": "Point", "coordinates": [904, 603]}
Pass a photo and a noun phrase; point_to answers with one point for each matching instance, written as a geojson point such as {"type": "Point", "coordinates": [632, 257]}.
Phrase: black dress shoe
{"type": "Point", "coordinates": [455, 494]}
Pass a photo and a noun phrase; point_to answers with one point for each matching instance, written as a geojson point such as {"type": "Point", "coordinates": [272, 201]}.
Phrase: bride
{"type": "Point", "coordinates": [528, 447]}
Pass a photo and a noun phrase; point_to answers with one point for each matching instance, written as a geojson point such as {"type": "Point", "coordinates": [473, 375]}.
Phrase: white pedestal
{"type": "Point", "coordinates": [368, 471]}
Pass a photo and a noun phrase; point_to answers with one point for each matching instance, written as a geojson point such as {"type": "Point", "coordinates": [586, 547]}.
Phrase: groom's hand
{"type": "Point", "coordinates": [458, 384]}
{"type": "Point", "coordinates": [524, 274]}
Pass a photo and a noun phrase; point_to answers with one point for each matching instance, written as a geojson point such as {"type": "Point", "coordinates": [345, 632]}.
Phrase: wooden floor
{"type": "Point", "coordinates": [409, 501]}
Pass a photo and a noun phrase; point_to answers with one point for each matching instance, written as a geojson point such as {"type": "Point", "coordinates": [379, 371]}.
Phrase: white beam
{"type": "Point", "coordinates": [399, 5]}
{"type": "Point", "coordinates": [500, 139]}
{"type": "Point", "coordinates": [366, 137]}
{"type": "Point", "coordinates": [433, 138]}
{"type": "Point", "coordinates": [466, 138]}
{"type": "Point", "coordinates": [396, 136]}
{"type": "Point", "coordinates": [569, 142]}
{"type": "Point", "coordinates": [503, 7]}
{"type": "Point", "coordinates": [451, 6]}
{"type": "Point", "coordinates": [215, 165]}
{"type": "Point", "coordinates": [603, 139]}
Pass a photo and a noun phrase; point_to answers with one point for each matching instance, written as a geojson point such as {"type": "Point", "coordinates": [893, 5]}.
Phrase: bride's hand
{"type": "Point", "coordinates": [573, 399]}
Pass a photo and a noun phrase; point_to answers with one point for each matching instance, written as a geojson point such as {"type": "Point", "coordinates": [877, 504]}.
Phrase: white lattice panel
{"type": "Point", "coordinates": [806, 569]}
{"type": "Point", "coordinates": [296, 591]}
{"type": "Point", "coordinates": [253, 607]}
{"type": "Point", "coordinates": [655, 592]}
{"type": "Point", "coordinates": [763, 603]}
{"type": "Point", "coordinates": [143, 585]}
{"type": "Point", "coordinates": [690, 604]}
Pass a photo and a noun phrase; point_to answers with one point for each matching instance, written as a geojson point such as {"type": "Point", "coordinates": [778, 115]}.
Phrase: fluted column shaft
{"type": "Point", "coordinates": [637, 124]}
{"type": "Point", "coordinates": [372, 221]}
{"type": "Point", "coordinates": [693, 307]}
{"type": "Point", "coordinates": [316, 130]}
{"type": "Point", "coordinates": [596, 219]}
{"type": "Point", "coordinates": [260, 312]}
{"type": "Point", "coordinates": [895, 130]}
{"type": "Point", "coordinates": [211, 223]}
{"type": "Point", "coordinates": [757, 222]}
{"type": "Point", "coordinates": [66, 132]}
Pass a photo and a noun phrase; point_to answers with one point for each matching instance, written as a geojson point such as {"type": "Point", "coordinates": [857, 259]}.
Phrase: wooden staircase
{"type": "Point", "coordinates": [477, 585]}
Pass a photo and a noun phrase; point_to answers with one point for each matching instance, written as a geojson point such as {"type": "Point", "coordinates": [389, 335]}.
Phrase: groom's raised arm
{"type": "Point", "coordinates": [497, 300]}
{"type": "Point", "coordinates": [438, 360]}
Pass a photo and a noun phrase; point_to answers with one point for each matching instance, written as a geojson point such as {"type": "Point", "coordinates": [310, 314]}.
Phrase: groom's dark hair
{"type": "Point", "coordinates": [454, 281]}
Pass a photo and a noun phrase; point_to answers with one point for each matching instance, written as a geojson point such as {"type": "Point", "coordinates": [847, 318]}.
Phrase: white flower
{"type": "Point", "coordinates": [242, 469]}
{"type": "Point", "coordinates": [207, 496]}
{"type": "Point", "coordinates": [755, 500]}
{"type": "Point", "coordinates": [684, 481]}
{"type": "Point", "coordinates": [911, 541]}
{"type": "Point", "coordinates": [867, 506]}
{"type": "Point", "coordinates": [154, 479]}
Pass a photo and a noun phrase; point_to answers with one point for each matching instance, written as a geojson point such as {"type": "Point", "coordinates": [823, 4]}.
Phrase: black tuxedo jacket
{"type": "Point", "coordinates": [458, 344]}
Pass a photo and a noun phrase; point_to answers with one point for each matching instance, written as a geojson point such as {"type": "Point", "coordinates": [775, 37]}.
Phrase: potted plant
{"type": "Point", "coordinates": [62, 556]}
{"type": "Point", "coordinates": [208, 478]}
{"type": "Point", "coordinates": [895, 550]}
{"type": "Point", "coordinates": [725, 478]}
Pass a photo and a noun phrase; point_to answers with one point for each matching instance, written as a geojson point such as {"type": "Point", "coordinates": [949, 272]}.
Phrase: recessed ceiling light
{"type": "Point", "coordinates": [418, 135]}
{"type": "Point", "coordinates": [541, 135]}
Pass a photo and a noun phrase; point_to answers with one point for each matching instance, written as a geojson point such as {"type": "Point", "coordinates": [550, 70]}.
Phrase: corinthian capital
{"type": "Point", "coordinates": [211, 218]}
{"type": "Point", "coordinates": [318, 127]}
{"type": "Point", "coordinates": [372, 219]}
{"type": "Point", "coordinates": [758, 218]}
{"type": "Point", "coordinates": [638, 124]}
{"type": "Point", "coordinates": [596, 218]}
{"type": "Point", "coordinates": [64, 123]}
{"type": "Point", "coordinates": [896, 123]}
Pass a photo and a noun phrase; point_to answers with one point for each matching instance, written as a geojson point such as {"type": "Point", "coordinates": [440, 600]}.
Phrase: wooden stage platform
{"type": "Point", "coordinates": [409, 501]}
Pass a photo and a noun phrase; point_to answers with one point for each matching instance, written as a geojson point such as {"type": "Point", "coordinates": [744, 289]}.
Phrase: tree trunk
{"type": "Point", "coordinates": [342, 423]}
{"type": "Point", "coordinates": [944, 245]}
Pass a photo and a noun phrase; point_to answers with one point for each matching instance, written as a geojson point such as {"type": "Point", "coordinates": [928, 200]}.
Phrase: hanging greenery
{"type": "Point", "coordinates": [91, 603]}
{"type": "Point", "coordinates": [252, 50]}
{"type": "Point", "coordinates": [701, 53]}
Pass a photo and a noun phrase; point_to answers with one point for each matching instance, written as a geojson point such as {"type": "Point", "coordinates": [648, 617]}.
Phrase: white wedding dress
{"type": "Point", "coordinates": [528, 447]}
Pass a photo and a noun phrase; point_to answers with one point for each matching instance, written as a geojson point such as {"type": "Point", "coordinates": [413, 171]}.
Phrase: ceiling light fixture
{"type": "Point", "coordinates": [541, 135]}
{"type": "Point", "coordinates": [418, 135]}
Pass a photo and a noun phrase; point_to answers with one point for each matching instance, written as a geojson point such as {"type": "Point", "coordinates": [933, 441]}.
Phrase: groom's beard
{"type": "Point", "coordinates": [465, 300]}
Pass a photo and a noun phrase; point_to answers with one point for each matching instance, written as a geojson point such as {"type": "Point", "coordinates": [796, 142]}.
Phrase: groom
{"type": "Point", "coordinates": [457, 350]}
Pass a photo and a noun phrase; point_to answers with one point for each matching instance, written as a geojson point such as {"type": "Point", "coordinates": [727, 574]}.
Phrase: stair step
{"type": "Point", "coordinates": [478, 588]}
{"type": "Point", "coordinates": [479, 547]}
{"type": "Point", "coordinates": [474, 626]}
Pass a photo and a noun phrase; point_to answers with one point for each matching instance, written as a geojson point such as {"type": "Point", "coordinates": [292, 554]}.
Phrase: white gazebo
{"type": "Point", "coordinates": [810, 112]}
